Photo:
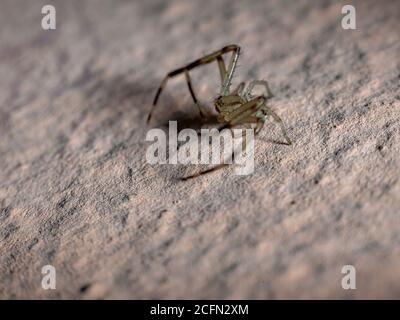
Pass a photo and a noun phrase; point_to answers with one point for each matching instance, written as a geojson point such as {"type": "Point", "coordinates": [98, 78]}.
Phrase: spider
{"type": "Point", "coordinates": [237, 107]}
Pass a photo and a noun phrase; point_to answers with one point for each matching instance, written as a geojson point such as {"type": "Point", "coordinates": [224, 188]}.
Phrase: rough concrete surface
{"type": "Point", "coordinates": [77, 193]}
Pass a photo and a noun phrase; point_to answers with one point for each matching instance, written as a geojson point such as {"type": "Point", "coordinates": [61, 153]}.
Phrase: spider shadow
{"type": "Point", "coordinates": [120, 97]}
{"type": "Point", "coordinates": [192, 121]}
{"type": "Point", "coordinates": [274, 141]}
{"type": "Point", "coordinates": [186, 115]}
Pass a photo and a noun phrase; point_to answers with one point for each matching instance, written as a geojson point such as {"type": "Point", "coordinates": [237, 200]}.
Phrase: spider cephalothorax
{"type": "Point", "coordinates": [241, 107]}
{"type": "Point", "coordinates": [236, 107]}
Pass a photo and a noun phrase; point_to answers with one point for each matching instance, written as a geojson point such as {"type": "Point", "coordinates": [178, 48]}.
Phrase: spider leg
{"type": "Point", "coordinates": [226, 74]}
{"type": "Point", "coordinates": [230, 70]}
{"type": "Point", "coordinates": [239, 89]}
{"type": "Point", "coordinates": [222, 68]}
{"type": "Point", "coordinates": [189, 83]}
{"type": "Point", "coordinates": [254, 83]}
{"type": "Point", "coordinates": [217, 167]}
{"type": "Point", "coordinates": [160, 88]}
{"type": "Point", "coordinates": [269, 111]}
{"type": "Point", "coordinates": [259, 125]}
{"type": "Point", "coordinates": [247, 114]}
{"type": "Point", "coordinates": [244, 111]}
{"type": "Point", "coordinates": [204, 172]}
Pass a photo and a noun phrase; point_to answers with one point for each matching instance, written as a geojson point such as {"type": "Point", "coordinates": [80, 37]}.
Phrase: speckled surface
{"type": "Point", "coordinates": [76, 191]}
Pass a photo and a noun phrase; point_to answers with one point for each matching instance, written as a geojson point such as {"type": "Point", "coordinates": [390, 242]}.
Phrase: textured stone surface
{"type": "Point", "coordinates": [76, 191]}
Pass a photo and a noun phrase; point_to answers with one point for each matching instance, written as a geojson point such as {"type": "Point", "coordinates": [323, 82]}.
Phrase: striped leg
{"type": "Point", "coordinates": [226, 74]}
{"type": "Point", "coordinates": [189, 83]}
